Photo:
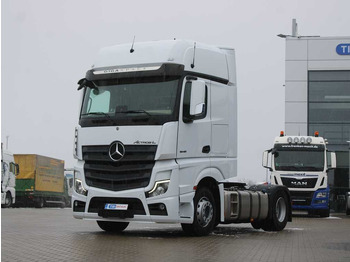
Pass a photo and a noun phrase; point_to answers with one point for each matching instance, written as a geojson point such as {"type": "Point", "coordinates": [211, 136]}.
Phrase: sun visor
{"type": "Point", "coordinates": [133, 71]}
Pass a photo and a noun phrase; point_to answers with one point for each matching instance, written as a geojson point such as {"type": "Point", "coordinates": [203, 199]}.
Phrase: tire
{"type": "Point", "coordinates": [8, 200]}
{"type": "Point", "coordinates": [204, 217]}
{"type": "Point", "coordinates": [39, 203]}
{"type": "Point", "coordinates": [324, 212]}
{"type": "Point", "coordinates": [115, 227]}
{"type": "Point", "coordinates": [279, 213]}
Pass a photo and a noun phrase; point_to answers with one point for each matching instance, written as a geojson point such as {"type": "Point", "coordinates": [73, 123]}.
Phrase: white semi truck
{"type": "Point", "coordinates": [9, 170]}
{"type": "Point", "coordinates": [157, 142]}
{"type": "Point", "coordinates": [301, 163]}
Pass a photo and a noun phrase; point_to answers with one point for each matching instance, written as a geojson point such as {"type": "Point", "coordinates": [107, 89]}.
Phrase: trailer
{"type": "Point", "coordinates": [157, 142]}
{"type": "Point", "coordinates": [41, 181]}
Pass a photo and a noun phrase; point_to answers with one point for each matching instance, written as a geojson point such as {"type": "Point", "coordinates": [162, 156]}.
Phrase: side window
{"type": "Point", "coordinates": [329, 160]}
{"type": "Point", "coordinates": [187, 102]}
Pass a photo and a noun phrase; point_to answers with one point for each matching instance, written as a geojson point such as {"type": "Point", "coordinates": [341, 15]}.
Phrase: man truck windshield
{"type": "Point", "coordinates": [134, 101]}
{"type": "Point", "coordinates": [299, 160]}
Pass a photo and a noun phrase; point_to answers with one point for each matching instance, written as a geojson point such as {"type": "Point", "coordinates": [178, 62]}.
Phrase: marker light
{"type": "Point", "coordinates": [316, 133]}
{"type": "Point", "coordinates": [308, 140]}
{"type": "Point", "coordinates": [290, 140]}
{"type": "Point", "coordinates": [296, 140]}
{"type": "Point", "coordinates": [302, 140]}
{"type": "Point", "coordinates": [281, 133]}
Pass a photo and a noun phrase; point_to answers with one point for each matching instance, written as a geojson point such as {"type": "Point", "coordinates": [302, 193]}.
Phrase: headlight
{"type": "Point", "coordinates": [79, 188]}
{"type": "Point", "coordinates": [159, 188]}
{"type": "Point", "coordinates": [321, 194]}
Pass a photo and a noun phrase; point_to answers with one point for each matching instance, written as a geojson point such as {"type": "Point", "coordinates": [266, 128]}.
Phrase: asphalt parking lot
{"type": "Point", "coordinates": [51, 234]}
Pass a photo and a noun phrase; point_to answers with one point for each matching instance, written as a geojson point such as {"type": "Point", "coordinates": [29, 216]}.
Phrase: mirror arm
{"type": "Point", "coordinates": [187, 120]}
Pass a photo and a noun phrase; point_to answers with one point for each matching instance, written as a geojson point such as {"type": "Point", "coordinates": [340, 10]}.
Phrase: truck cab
{"type": "Point", "coordinates": [9, 171]}
{"type": "Point", "coordinates": [301, 163]}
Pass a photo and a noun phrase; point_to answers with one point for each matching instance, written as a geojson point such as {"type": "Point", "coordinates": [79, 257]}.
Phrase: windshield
{"type": "Point", "coordinates": [136, 101]}
{"type": "Point", "coordinates": [299, 159]}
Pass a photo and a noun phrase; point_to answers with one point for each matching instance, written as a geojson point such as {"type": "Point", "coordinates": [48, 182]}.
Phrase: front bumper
{"type": "Point", "coordinates": [313, 203]}
{"type": "Point", "coordinates": [140, 208]}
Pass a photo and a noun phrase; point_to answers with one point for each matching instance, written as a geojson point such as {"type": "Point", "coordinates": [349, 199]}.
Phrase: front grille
{"type": "Point", "coordinates": [301, 198]}
{"type": "Point", "coordinates": [132, 171]}
{"type": "Point", "coordinates": [134, 204]}
{"type": "Point", "coordinates": [299, 183]}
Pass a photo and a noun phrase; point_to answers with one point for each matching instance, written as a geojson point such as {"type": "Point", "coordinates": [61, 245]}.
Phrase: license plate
{"type": "Point", "coordinates": [116, 206]}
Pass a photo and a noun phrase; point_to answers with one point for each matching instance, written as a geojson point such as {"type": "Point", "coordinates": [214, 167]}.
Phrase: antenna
{"type": "Point", "coordinates": [194, 54]}
{"type": "Point", "coordinates": [294, 27]}
{"type": "Point", "coordinates": [132, 46]}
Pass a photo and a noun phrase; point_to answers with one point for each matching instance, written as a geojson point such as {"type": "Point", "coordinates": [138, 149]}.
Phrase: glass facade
{"type": "Point", "coordinates": [329, 113]}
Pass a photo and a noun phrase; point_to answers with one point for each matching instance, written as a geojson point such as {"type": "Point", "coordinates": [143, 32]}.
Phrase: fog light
{"type": "Point", "coordinates": [309, 140]}
{"type": "Point", "coordinates": [302, 140]}
{"type": "Point", "coordinates": [159, 188]}
{"type": "Point", "coordinates": [290, 140]}
{"type": "Point", "coordinates": [296, 140]}
{"type": "Point", "coordinates": [79, 188]}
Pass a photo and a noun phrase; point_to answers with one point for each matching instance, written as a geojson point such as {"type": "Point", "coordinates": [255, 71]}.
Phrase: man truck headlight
{"type": "Point", "coordinates": [160, 187]}
{"type": "Point", "coordinates": [79, 188]}
{"type": "Point", "coordinates": [321, 195]}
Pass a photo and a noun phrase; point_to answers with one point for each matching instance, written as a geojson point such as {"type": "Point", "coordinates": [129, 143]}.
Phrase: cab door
{"type": "Point", "coordinates": [194, 136]}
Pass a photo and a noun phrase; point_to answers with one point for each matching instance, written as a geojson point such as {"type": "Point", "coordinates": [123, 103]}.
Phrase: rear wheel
{"type": "Point", "coordinates": [279, 213]}
{"type": "Point", "coordinates": [39, 202]}
{"type": "Point", "coordinates": [204, 214]}
{"type": "Point", "coordinates": [115, 227]}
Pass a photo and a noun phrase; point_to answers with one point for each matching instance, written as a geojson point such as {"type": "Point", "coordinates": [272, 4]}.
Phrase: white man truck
{"type": "Point", "coordinates": [9, 170]}
{"type": "Point", "coordinates": [301, 163]}
{"type": "Point", "coordinates": [157, 142]}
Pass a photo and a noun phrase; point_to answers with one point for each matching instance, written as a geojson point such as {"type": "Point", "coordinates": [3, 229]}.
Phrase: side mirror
{"type": "Point", "coordinates": [265, 160]}
{"type": "Point", "coordinates": [16, 169]}
{"type": "Point", "coordinates": [333, 160]}
{"type": "Point", "coordinates": [197, 104]}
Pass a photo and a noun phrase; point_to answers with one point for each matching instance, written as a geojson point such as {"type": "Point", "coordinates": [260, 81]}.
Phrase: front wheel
{"type": "Point", "coordinates": [115, 227]}
{"type": "Point", "coordinates": [8, 200]}
{"type": "Point", "coordinates": [204, 214]}
{"type": "Point", "coordinates": [279, 213]}
{"type": "Point", "coordinates": [324, 212]}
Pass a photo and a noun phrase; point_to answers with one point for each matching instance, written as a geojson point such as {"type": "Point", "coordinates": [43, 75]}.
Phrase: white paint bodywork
{"type": "Point", "coordinates": [179, 155]}
{"type": "Point", "coordinates": [301, 174]}
{"type": "Point", "coordinates": [8, 179]}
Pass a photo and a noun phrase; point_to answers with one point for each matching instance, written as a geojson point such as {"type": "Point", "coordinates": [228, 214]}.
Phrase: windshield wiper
{"type": "Point", "coordinates": [134, 112]}
{"type": "Point", "coordinates": [100, 113]}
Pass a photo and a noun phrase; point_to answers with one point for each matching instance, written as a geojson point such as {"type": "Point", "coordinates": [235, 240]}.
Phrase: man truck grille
{"type": "Point", "coordinates": [299, 183]}
{"type": "Point", "coordinates": [132, 171]}
{"type": "Point", "coordinates": [301, 198]}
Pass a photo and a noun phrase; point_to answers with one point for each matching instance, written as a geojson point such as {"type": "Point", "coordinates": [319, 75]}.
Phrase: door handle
{"type": "Point", "coordinates": [206, 149]}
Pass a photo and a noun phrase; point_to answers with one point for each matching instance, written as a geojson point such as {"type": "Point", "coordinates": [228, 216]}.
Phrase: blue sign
{"type": "Point", "coordinates": [343, 49]}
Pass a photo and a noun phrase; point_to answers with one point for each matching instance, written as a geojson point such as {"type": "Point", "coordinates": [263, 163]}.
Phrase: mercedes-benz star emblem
{"type": "Point", "coordinates": [116, 151]}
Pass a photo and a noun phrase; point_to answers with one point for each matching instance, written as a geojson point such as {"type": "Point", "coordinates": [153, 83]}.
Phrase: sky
{"type": "Point", "coordinates": [47, 46]}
